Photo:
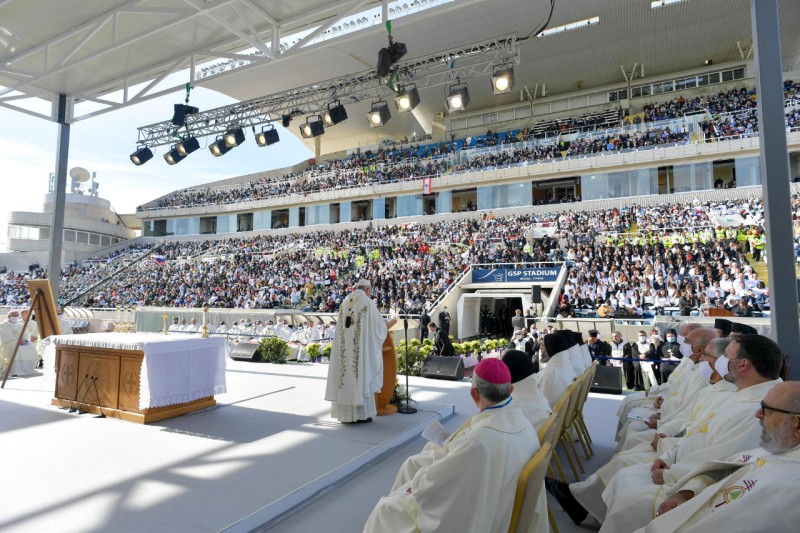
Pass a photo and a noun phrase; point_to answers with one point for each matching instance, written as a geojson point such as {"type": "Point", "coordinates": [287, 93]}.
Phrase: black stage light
{"type": "Point", "coordinates": [407, 99]}
{"type": "Point", "coordinates": [378, 115]}
{"type": "Point", "coordinates": [234, 137]}
{"type": "Point", "coordinates": [311, 128]}
{"type": "Point", "coordinates": [267, 136]}
{"type": "Point", "coordinates": [335, 114]}
{"type": "Point", "coordinates": [141, 156]}
{"type": "Point", "coordinates": [173, 156]}
{"type": "Point", "coordinates": [187, 146]}
{"type": "Point", "coordinates": [286, 120]}
{"type": "Point", "coordinates": [219, 147]}
{"type": "Point", "coordinates": [457, 97]}
{"type": "Point", "coordinates": [502, 79]}
{"type": "Point", "coordinates": [181, 112]}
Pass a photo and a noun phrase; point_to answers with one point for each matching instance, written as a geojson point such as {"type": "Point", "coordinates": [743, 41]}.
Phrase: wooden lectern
{"type": "Point", "coordinates": [384, 397]}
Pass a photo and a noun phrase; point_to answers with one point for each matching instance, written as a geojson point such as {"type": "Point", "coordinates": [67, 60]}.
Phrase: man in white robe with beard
{"type": "Point", "coordinates": [627, 502]}
{"type": "Point", "coordinates": [558, 374]}
{"type": "Point", "coordinates": [754, 490]}
{"type": "Point", "coordinates": [26, 358]}
{"type": "Point", "coordinates": [355, 373]}
{"type": "Point", "coordinates": [467, 484]}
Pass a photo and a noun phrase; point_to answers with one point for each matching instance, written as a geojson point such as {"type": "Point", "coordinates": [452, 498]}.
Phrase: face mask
{"type": "Point", "coordinates": [655, 338]}
{"type": "Point", "coordinates": [705, 370]}
{"type": "Point", "coordinates": [13, 319]}
{"type": "Point", "coordinates": [722, 366]}
{"type": "Point", "coordinates": [670, 339]}
{"type": "Point", "coordinates": [681, 338]}
{"type": "Point", "coordinates": [642, 339]}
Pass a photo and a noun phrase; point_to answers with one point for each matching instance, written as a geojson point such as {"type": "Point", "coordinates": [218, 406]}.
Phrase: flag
{"type": "Point", "coordinates": [159, 259]}
{"type": "Point", "coordinates": [427, 185]}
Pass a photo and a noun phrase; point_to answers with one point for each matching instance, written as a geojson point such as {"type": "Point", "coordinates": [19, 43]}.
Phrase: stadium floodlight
{"type": "Point", "coordinates": [268, 135]}
{"type": "Point", "coordinates": [335, 114]}
{"type": "Point", "coordinates": [312, 128]}
{"type": "Point", "coordinates": [187, 146]}
{"type": "Point", "coordinates": [174, 156]}
{"type": "Point", "coordinates": [379, 114]}
{"type": "Point", "coordinates": [407, 99]}
{"type": "Point", "coordinates": [181, 112]}
{"type": "Point", "coordinates": [219, 147]}
{"type": "Point", "coordinates": [141, 156]}
{"type": "Point", "coordinates": [234, 137]}
{"type": "Point", "coordinates": [457, 97]}
{"type": "Point", "coordinates": [502, 79]}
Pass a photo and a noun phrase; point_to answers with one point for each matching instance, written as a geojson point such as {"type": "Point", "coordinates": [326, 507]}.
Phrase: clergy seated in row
{"type": "Point", "coordinates": [624, 494]}
{"type": "Point", "coordinates": [558, 373]}
{"type": "Point", "coordinates": [644, 422]}
{"type": "Point", "coordinates": [528, 393]}
{"type": "Point", "coordinates": [755, 490]}
{"type": "Point", "coordinates": [26, 358]}
{"type": "Point", "coordinates": [466, 484]}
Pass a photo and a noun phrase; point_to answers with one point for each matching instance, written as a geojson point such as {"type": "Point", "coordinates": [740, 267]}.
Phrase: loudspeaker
{"type": "Point", "coordinates": [608, 380]}
{"type": "Point", "coordinates": [536, 294]}
{"type": "Point", "coordinates": [246, 351]}
{"type": "Point", "coordinates": [438, 367]}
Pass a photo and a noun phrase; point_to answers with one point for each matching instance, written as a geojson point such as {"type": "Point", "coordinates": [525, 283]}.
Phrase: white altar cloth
{"type": "Point", "coordinates": [176, 368]}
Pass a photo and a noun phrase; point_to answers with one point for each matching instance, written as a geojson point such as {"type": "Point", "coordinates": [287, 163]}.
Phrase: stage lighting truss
{"type": "Point", "coordinates": [335, 114]}
{"type": "Point", "coordinates": [407, 99]}
{"type": "Point", "coordinates": [502, 79]}
{"type": "Point", "coordinates": [313, 127]}
{"type": "Point", "coordinates": [379, 114]}
{"type": "Point", "coordinates": [218, 147]}
{"type": "Point", "coordinates": [268, 135]}
{"type": "Point", "coordinates": [457, 96]}
{"type": "Point", "coordinates": [142, 155]}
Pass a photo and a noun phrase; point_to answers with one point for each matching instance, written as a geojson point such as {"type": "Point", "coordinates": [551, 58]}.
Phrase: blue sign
{"type": "Point", "coordinates": [520, 275]}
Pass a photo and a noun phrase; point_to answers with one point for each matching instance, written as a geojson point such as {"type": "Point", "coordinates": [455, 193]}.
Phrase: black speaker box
{"type": "Point", "coordinates": [608, 380]}
{"type": "Point", "coordinates": [437, 367]}
{"type": "Point", "coordinates": [536, 294]}
{"type": "Point", "coordinates": [246, 351]}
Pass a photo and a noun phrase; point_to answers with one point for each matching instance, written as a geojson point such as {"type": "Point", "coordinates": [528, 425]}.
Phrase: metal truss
{"type": "Point", "coordinates": [433, 70]}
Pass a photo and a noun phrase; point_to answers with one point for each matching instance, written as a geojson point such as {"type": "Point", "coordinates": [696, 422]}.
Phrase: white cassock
{"type": "Point", "coordinates": [556, 377]}
{"type": "Point", "coordinates": [632, 498]}
{"type": "Point", "coordinates": [174, 327]}
{"type": "Point", "coordinates": [25, 361]}
{"type": "Point", "coordinates": [576, 360]}
{"type": "Point", "coordinates": [757, 493]}
{"type": "Point", "coordinates": [468, 484]}
{"type": "Point", "coordinates": [648, 399]}
{"type": "Point", "coordinates": [529, 397]}
{"type": "Point", "coordinates": [355, 373]}
{"type": "Point", "coordinates": [675, 411]}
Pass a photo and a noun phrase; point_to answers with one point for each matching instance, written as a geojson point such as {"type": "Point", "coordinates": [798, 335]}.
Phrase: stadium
{"type": "Point", "coordinates": [600, 169]}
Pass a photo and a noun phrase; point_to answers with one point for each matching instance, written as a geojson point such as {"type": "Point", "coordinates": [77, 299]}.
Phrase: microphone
{"type": "Point", "coordinates": [80, 405]}
{"type": "Point", "coordinates": [97, 395]}
{"type": "Point", "coordinates": [72, 403]}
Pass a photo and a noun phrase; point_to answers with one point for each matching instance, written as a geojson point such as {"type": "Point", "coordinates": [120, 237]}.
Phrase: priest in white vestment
{"type": "Point", "coordinates": [527, 392]}
{"type": "Point", "coordinates": [558, 373]}
{"type": "Point", "coordinates": [621, 493]}
{"type": "Point", "coordinates": [26, 358]}
{"type": "Point", "coordinates": [355, 373]}
{"type": "Point", "coordinates": [754, 490]}
{"type": "Point", "coordinates": [468, 484]}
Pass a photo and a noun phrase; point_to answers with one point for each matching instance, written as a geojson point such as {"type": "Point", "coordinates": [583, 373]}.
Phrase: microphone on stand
{"type": "Point", "coordinates": [97, 395]}
{"type": "Point", "coordinates": [406, 409]}
{"type": "Point", "coordinates": [72, 403]}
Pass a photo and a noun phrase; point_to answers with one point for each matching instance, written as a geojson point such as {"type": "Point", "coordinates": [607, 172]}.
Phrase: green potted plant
{"type": "Point", "coordinates": [326, 352]}
{"type": "Point", "coordinates": [314, 352]}
{"type": "Point", "coordinates": [273, 350]}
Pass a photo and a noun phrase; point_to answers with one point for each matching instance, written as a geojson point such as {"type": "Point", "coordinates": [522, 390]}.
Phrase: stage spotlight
{"type": "Point", "coordinates": [378, 115]}
{"type": "Point", "coordinates": [234, 137]}
{"type": "Point", "coordinates": [335, 114]}
{"type": "Point", "coordinates": [312, 128]}
{"type": "Point", "coordinates": [407, 99]}
{"type": "Point", "coordinates": [389, 56]}
{"type": "Point", "coordinates": [219, 147]}
{"type": "Point", "coordinates": [286, 120]}
{"type": "Point", "coordinates": [173, 156]}
{"type": "Point", "coordinates": [141, 156]}
{"type": "Point", "coordinates": [457, 97]}
{"type": "Point", "coordinates": [187, 146]}
{"type": "Point", "coordinates": [502, 79]}
{"type": "Point", "coordinates": [267, 136]}
{"type": "Point", "coordinates": [181, 112]}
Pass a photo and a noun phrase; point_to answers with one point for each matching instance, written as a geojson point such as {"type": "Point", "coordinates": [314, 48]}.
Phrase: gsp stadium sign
{"type": "Point", "coordinates": [522, 275]}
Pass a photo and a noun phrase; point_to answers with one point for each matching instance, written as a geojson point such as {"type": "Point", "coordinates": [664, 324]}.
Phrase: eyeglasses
{"type": "Point", "coordinates": [765, 407]}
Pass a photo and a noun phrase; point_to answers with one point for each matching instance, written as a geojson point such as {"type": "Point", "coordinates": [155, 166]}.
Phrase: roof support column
{"type": "Point", "coordinates": [317, 146]}
{"type": "Point", "coordinates": [59, 195]}
{"type": "Point", "coordinates": [775, 179]}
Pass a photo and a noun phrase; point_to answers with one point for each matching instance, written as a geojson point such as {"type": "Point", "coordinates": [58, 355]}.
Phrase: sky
{"type": "Point", "coordinates": [103, 144]}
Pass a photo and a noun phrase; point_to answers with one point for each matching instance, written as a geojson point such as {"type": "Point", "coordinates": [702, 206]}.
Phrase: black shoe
{"type": "Point", "coordinates": [364, 421]}
{"type": "Point", "coordinates": [566, 500]}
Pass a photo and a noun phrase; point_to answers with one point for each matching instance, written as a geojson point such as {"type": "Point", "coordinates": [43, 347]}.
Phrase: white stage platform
{"type": "Point", "coordinates": [268, 448]}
